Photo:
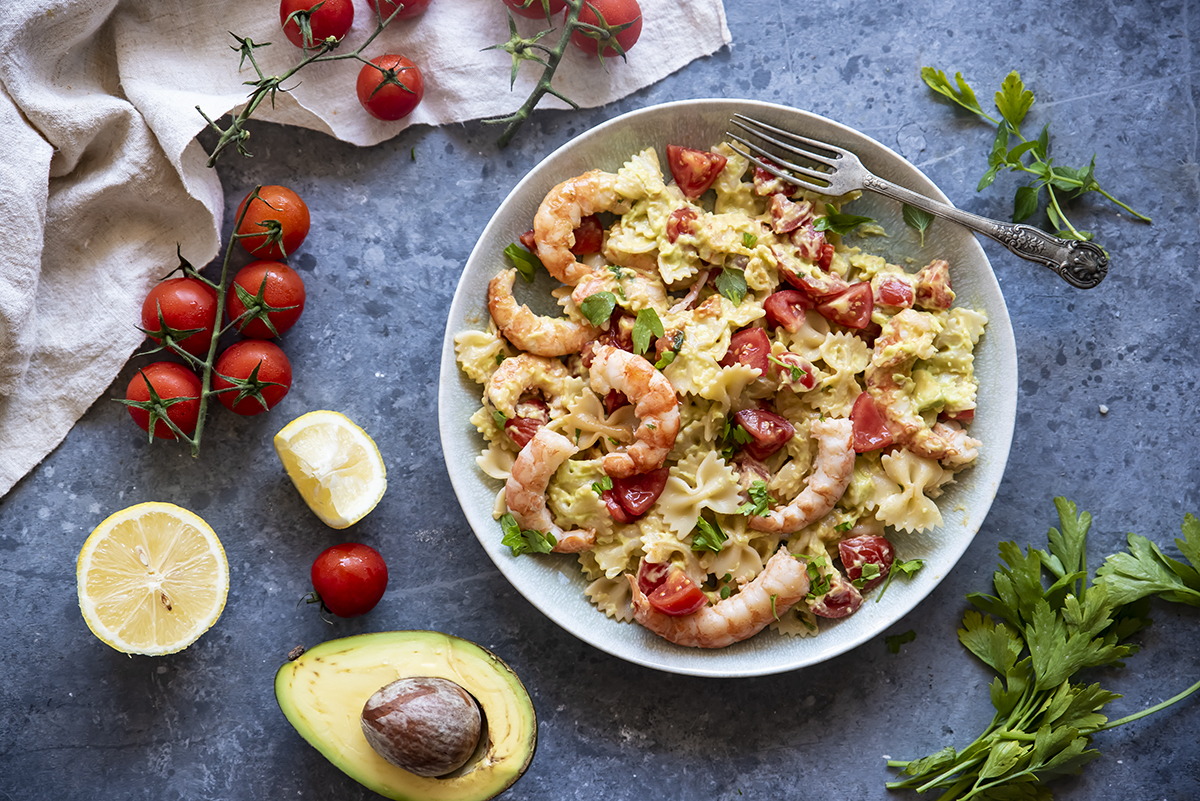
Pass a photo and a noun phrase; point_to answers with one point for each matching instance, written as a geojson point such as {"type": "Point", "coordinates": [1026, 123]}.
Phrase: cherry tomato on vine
{"type": "Point", "coordinates": [349, 579]}
{"type": "Point", "coordinates": [273, 379]}
{"type": "Point", "coordinates": [169, 380]}
{"type": "Point", "coordinates": [333, 18]}
{"type": "Point", "coordinates": [282, 291]}
{"type": "Point", "coordinates": [390, 89]}
{"type": "Point", "coordinates": [615, 13]}
{"type": "Point", "coordinates": [185, 304]}
{"type": "Point", "coordinates": [280, 216]}
{"type": "Point", "coordinates": [533, 9]}
{"type": "Point", "coordinates": [411, 8]}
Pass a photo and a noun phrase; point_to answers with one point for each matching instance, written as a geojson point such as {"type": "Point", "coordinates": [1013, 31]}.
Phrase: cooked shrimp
{"type": "Point", "coordinates": [559, 215]}
{"type": "Point", "coordinates": [834, 469]}
{"type": "Point", "coordinates": [516, 374]}
{"type": "Point", "coordinates": [525, 492]}
{"type": "Point", "coordinates": [654, 403]}
{"type": "Point", "coordinates": [640, 290]}
{"type": "Point", "coordinates": [905, 338]}
{"type": "Point", "coordinates": [782, 583]}
{"type": "Point", "coordinates": [541, 336]}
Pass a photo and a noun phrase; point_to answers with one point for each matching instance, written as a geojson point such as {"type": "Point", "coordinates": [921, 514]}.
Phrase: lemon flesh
{"type": "Point", "coordinates": [151, 579]}
{"type": "Point", "coordinates": [335, 466]}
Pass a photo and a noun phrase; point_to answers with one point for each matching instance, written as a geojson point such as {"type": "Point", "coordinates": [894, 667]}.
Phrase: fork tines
{"type": "Point", "coordinates": [775, 164]}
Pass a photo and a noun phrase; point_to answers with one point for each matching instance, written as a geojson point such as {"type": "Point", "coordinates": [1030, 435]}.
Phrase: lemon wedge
{"type": "Point", "coordinates": [335, 466]}
{"type": "Point", "coordinates": [151, 579]}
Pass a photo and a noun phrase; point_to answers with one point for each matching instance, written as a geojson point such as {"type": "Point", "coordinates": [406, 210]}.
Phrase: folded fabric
{"type": "Point", "coordinates": [102, 175]}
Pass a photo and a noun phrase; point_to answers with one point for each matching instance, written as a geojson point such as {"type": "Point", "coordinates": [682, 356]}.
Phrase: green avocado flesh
{"type": "Point", "coordinates": [323, 691]}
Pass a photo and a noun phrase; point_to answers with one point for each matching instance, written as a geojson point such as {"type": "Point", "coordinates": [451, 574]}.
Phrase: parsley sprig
{"type": "Point", "coordinates": [1012, 151]}
{"type": "Point", "coordinates": [524, 540]}
{"type": "Point", "coordinates": [1037, 638]}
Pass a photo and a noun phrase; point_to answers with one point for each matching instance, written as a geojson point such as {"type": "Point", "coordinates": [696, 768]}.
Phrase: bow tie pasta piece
{"type": "Point", "coordinates": [693, 487]}
{"type": "Point", "coordinates": [909, 508]}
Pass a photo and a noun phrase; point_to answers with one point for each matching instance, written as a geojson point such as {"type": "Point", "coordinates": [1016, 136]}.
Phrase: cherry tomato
{"type": "Point", "coordinates": [678, 595]}
{"type": "Point", "coordinates": [528, 242]}
{"type": "Point", "coordinates": [333, 18]}
{"type": "Point", "coordinates": [349, 579]}
{"type": "Point", "coordinates": [186, 304]}
{"type": "Point", "coordinates": [679, 222]}
{"type": "Point", "coordinates": [637, 494]}
{"type": "Point", "coordinates": [694, 170]}
{"type": "Point", "coordinates": [867, 549]}
{"type": "Point", "coordinates": [770, 431]}
{"type": "Point", "coordinates": [751, 347]}
{"type": "Point", "coordinates": [282, 288]}
{"type": "Point", "coordinates": [169, 380]}
{"type": "Point", "coordinates": [851, 308]}
{"type": "Point", "coordinates": [533, 9]}
{"type": "Point", "coordinates": [390, 89]}
{"type": "Point", "coordinates": [530, 415]}
{"type": "Point", "coordinates": [239, 361]}
{"type": "Point", "coordinates": [869, 426]}
{"type": "Point", "coordinates": [843, 598]}
{"type": "Point", "coordinates": [806, 379]}
{"type": "Point", "coordinates": [786, 308]}
{"type": "Point", "coordinates": [651, 575]}
{"type": "Point", "coordinates": [615, 13]}
{"type": "Point", "coordinates": [614, 399]}
{"type": "Point", "coordinates": [894, 291]}
{"type": "Point", "coordinates": [787, 215]}
{"type": "Point", "coordinates": [589, 236]}
{"type": "Point", "coordinates": [615, 510]}
{"type": "Point", "coordinates": [275, 208]}
{"type": "Point", "coordinates": [811, 246]}
{"type": "Point", "coordinates": [411, 8]}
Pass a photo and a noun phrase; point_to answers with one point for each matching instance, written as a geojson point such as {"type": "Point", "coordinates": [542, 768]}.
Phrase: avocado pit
{"type": "Point", "coordinates": [426, 725]}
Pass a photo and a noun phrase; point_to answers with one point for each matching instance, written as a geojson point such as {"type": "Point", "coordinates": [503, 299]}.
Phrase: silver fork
{"type": "Point", "coordinates": [838, 171]}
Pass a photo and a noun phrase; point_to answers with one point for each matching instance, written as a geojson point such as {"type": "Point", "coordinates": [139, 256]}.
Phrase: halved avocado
{"type": "Point", "coordinates": [322, 693]}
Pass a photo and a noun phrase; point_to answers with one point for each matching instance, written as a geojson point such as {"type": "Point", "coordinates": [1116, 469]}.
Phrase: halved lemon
{"type": "Point", "coordinates": [151, 579]}
{"type": "Point", "coordinates": [335, 466]}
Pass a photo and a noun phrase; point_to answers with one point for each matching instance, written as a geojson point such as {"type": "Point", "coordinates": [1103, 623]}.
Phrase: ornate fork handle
{"type": "Point", "coordinates": [1080, 264]}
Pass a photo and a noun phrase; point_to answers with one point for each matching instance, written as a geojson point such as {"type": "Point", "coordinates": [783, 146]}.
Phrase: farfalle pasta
{"type": "Point", "coordinates": [730, 409]}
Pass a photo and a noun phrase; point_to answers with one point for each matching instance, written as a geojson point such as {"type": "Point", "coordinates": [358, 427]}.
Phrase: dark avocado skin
{"type": "Point", "coordinates": [322, 692]}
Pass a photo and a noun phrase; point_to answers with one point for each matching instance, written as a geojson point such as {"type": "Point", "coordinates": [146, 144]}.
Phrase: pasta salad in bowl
{"type": "Point", "coordinates": [711, 423]}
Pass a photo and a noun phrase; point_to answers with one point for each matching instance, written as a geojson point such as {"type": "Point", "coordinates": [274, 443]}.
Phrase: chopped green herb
{"type": "Point", "coordinates": [917, 219]}
{"type": "Point", "coordinates": [708, 536]}
{"type": "Point", "coordinates": [500, 357]}
{"type": "Point", "coordinates": [669, 356]}
{"type": "Point", "coordinates": [731, 282]}
{"type": "Point", "coordinates": [599, 487]}
{"type": "Point", "coordinates": [646, 326]}
{"type": "Point", "coordinates": [527, 264]}
{"type": "Point", "coordinates": [499, 418]}
{"type": "Point", "coordinates": [796, 372]}
{"type": "Point", "coordinates": [749, 240]}
{"type": "Point", "coordinates": [524, 540]}
{"type": "Point", "coordinates": [760, 500]}
{"type": "Point", "coordinates": [774, 614]}
{"type": "Point", "coordinates": [598, 307]}
{"type": "Point", "coordinates": [818, 582]}
{"type": "Point", "coordinates": [845, 526]}
{"type": "Point", "coordinates": [908, 568]}
{"type": "Point", "coordinates": [839, 223]}
{"type": "Point", "coordinates": [894, 641]}
{"type": "Point", "coordinates": [870, 572]}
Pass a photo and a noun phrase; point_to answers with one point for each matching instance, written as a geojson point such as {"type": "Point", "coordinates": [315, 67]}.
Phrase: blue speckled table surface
{"type": "Point", "coordinates": [390, 235]}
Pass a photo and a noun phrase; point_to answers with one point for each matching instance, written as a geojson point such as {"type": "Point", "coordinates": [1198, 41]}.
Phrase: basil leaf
{"type": "Point", "coordinates": [646, 325]}
{"type": "Point", "coordinates": [526, 263]}
{"type": "Point", "coordinates": [731, 282]}
{"type": "Point", "coordinates": [918, 220]}
{"type": "Point", "coordinates": [598, 307]}
{"type": "Point", "coordinates": [839, 223]}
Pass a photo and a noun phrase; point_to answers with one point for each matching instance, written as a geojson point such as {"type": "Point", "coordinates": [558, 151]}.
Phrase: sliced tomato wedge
{"type": "Point", "coordinates": [851, 308]}
{"type": "Point", "coordinates": [894, 291]}
{"type": "Point", "coordinates": [843, 599]}
{"type": "Point", "coordinates": [638, 493]}
{"type": "Point", "coordinates": [589, 236]}
{"type": "Point", "coordinates": [694, 170]}
{"type": "Point", "coordinates": [767, 183]}
{"type": "Point", "coordinates": [770, 431]}
{"type": "Point", "coordinates": [615, 510]}
{"type": "Point", "coordinates": [867, 549]}
{"type": "Point", "coordinates": [965, 416]}
{"type": "Point", "coordinates": [787, 215]}
{"type": "Point", "coordinates": [680, 222]}
{"type": "Point", "coordinates": [869, 426]}
{"type": "Point", "coordinates": [802, 384]}
{"type": "Point", "coordinates": [933, 286]}
{"type": "Point", "coordinates": [522, 429]}
{"type": "Point", "coordinates": [678, 595]}
{"type": "Point", "coordinates": [751, 347]}
{"type": "Point", "coordinates": [786, 308]}
{"type": "Point", "coordinates": [651, 575]}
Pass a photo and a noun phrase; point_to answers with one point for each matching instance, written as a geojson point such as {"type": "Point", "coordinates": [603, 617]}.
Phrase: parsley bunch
{"type": "Point", "coordinates": [1012, 151]}
{"type": "Point", "coordinates": [1037, 639]}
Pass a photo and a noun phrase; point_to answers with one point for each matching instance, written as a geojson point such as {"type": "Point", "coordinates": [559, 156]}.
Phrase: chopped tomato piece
{"type": "Point", "coordinates": [806, 381]}
{"type": "Point", "coordinates": [638, 493]}
{"type": "Point", "coordinates": [589, 236]}
{"type": "Point", "coordinates": [678, 595]}
{"type": "Point", "coordinates": [670, 342]}
{"type": "Point", "coordinates": [825, 257]}
{"type": "Point", "coordinates": [767, 183]}
{"type": "Point", "coordinates": [893, 290]}
{"type": "Point", "coordinates": [770, 431]}
{"type": "Point", "coordinates": [615, 510]}
{"type": "Point", "coordinates": [965, 416]}
{"type": "Point", "coordinates": [694, 170]}
{"type": "Point", "coordinates": [618, 335]}
{"type": "Point", "coordinates": [786, 308]}
{"type": "Point", "coordinates": [751, 347]}
{"type": "Point", "coordinates": [679, 222]}
{"type": "Point", "coordinates": [614, 400]}
{"type": "Point", "coordinates": [869, 426]}
{"type": "Point", "coordinates": [787, 215]}
{"type": "Point", "coordinates": [522, 429]}
{"type": "Point", "coordinates": [867, 549]}
{"type": "Point", "coordinates": [651, 575]}
{"type": "Point", "coordinates": [812, 247]}
{"type": "Point", "coordinates": [851, 308]}
{"type": "Point", "coordinates": [528, 242]}
{"type": "Point", "coordinates": [843, 598]}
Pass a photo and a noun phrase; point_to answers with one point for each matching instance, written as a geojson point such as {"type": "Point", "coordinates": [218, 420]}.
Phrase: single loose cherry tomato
{"type": "Point", "coordinates": [866, 549]}
{"type": "Point", "coordinates": [411, 8]}
{"type": "Point", "coordinates": [282, 301]}
{"type": "Point", "coordinates": [589, 236]}
{"type": "Point", "coordinates": [185, 304]}
{"type": "Point", "coordinates": [694, 170]}
{"type": "Point", "coordinates": [843, 598]}
{"type": "Point", "coordinates": [169, 380]}
{"type": "Point", "coordinates": [637, 494]}
{"type": "Point", "coordinates": [678, 595]}
{"type": "Point", "coordinates": [534, 9]}
{"type": "Point", "coordinates": [240, 361]}
{"type": "Point", "coordinates": [332, 19]}
{"type": "Point", "coordinates": [870, 431]}
{"type": "Point", "coordinates": [615, 13]}
{"type": "Point", "coordinates": [770, 431]}
{"type": "Point", "coordinates": [280, 216]}
{"type": "Point", "coordinates": [851, 308]}
{"type": "Point", "coordinates": [349, 579]}
{"type": "Point", "coordinates": [390, 87]}
{"type": "Point", "coordinates": [786, 308]}
{"type": "Point", "coordinates": [751, 347]}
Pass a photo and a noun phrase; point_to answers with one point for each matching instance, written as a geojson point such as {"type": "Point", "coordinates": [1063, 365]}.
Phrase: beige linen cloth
{"type": "Point", "coordinates": [101, 176]}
